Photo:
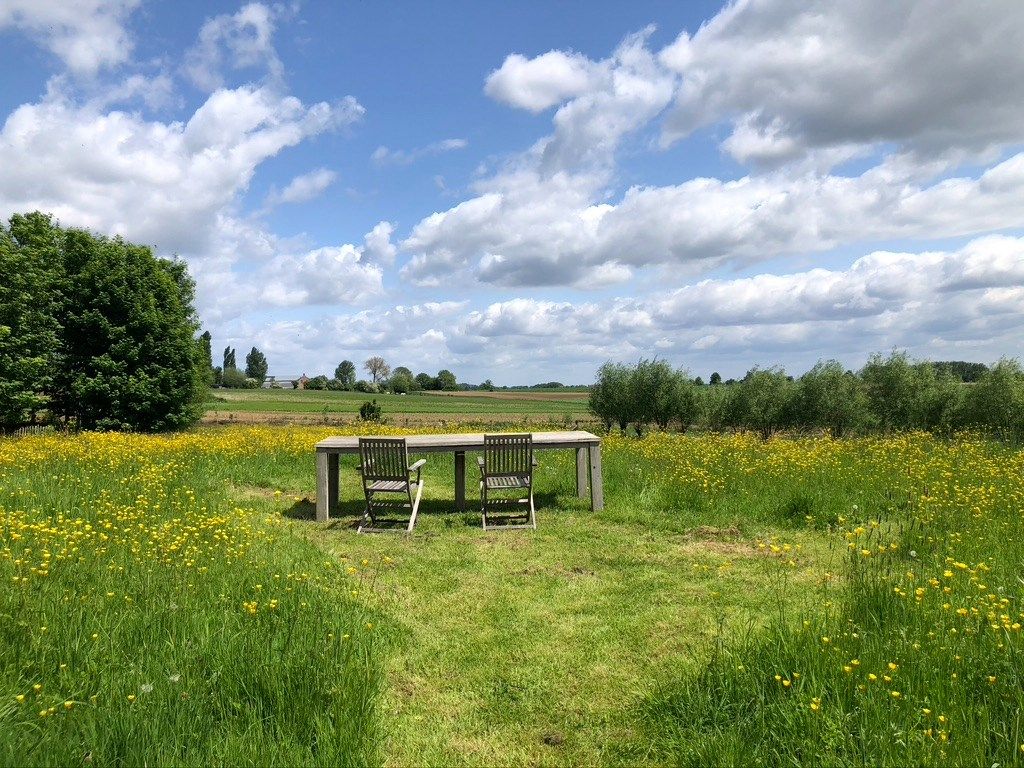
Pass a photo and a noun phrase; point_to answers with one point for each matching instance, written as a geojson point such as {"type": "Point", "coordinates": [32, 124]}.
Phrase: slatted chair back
{"type": "Point", "coordinates": [508, 455]}
{"type": "Point", "coordinates": [384, 458]}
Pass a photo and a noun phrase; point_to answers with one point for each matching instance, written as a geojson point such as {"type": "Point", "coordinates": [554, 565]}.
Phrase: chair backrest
{"type": "Point", "coordinates": [508, 454]}
{"type": "Point", "coordinates": [384, 458]}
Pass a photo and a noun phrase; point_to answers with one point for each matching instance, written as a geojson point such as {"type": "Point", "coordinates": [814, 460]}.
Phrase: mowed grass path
{"type": "Point", "coordinates": [517, 647]}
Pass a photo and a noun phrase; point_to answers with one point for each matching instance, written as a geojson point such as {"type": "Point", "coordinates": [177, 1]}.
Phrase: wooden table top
{"type": "Point", "coordinates": [466, 441]}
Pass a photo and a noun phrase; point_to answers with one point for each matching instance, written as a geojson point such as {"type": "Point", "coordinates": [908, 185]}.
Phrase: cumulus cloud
{"type": "Point", "coordinates": [306, 186]}
{"type": "Point", "coordinates": [931, 302]}
{"type": "Point", "coordinates": [928, 76]}
{"type": "Point", "coordinates": [533, 230]}
{"type": "Point", "coordinates": [542, 82]}
{"type": "Point", "coordinates": [166, 184]}
{"type": "Point", "coordinates": [87, 35]}
{"type": "Point", "coordinates": [917, 87]}
{"type": "Point", "coordinates": [234, 41]}
{"type": "Point", "coordinates": [385, 156]}
{"type": "Point", "coordinates": [330, 275]}
{"type": "Point", "coordinates": [377, 245]}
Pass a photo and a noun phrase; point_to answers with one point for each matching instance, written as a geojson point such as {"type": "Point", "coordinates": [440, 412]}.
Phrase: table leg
{"type": "Point", "coordinates": [581, 472]}
{"type": "Point", "coordinates": [322, 481]}
{"type": "Point", "coordinates": [333, 482]}
{"type": "Point", "coordinates": [460, 481]}
{"type": "Point", "coordinates": [596, 483]}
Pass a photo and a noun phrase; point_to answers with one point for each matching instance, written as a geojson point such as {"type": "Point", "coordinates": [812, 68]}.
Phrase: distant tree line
{"type": "Point", "coordinates": [383, 378]}
{"type": "Point", "coordinates": [227, 374]}
{"type": "Point", "coordinates": [891, 393]}
{"type": "Point", "coordinates": [95, 332]}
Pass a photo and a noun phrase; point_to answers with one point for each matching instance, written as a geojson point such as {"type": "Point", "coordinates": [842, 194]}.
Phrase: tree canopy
{"type": "Point", "coordinates": [97, 330]}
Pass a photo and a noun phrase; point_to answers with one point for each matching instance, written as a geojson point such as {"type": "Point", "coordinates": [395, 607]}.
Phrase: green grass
{"type": "Point", "coordinates": [648, 633]}
{"type": "Point", "coordinates": [323, 402]}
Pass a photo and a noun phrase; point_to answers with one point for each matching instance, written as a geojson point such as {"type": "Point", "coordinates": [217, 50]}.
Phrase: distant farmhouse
{"type": "Point", "coordinates": [285, 382]}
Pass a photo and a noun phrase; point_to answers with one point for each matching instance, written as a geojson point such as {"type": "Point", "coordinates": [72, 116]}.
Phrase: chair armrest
{"type": "Point", "coordinates": [480, 461]}
{"type": "Point", "coordinates": [417, 465]}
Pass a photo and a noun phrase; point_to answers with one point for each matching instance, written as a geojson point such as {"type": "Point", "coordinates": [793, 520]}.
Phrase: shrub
{"type": "Point", "coordinates": [370, 411]}
{"type": "Point", "coordinates": [317, 382]}
{"type": "Point", "coordinates": [367, 387]}
{"type": "Point", "coordinates": [336, 385]}
{"type": "Point", "coordinates": [233, 378]}
{"type": "Point", "coordinates": [401, 383]}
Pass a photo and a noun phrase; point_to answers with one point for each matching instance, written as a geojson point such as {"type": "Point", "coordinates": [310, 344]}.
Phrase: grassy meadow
{"type": "Point", "coordinates": [169, 600]}
{"type": "Point", "coordinates": [326, 406]}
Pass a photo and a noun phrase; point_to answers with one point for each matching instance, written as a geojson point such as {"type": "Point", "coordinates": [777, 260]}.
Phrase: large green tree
{"type": "Point", "coordinates": [129, 355]}
{"type": "Point", "coordinates": [29, 250]}
{"type": "Point", "coordinates": [446, 381]}
{"type": "Point", "coordinates": [256, 366]}
{"type": "Point", "coordinates": [346, 374]}
{"type": "Point", "coordinates": [97, 331]}
{"type": "Point", "coordinates": [832, 398]}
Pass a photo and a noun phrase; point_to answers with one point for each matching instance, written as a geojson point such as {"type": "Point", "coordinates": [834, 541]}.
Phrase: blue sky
{"type": "Point", "coordinates": [523, 191]}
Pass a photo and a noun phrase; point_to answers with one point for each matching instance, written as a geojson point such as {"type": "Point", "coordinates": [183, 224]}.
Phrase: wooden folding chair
{"type": "Point", "coordinates": [507, 465]}
{"type": "Point", "coordinates": [385, 469]}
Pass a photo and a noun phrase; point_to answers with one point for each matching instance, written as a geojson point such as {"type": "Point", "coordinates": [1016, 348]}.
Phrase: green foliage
{"type": "Point", "coordinates": [233, 378]}
{"type": "Point", "coordinates": [716, 378]}
{"type": "Point", "coordinates": [229, 359]}
{"type": "Point", "coordinates": [256, 365]}
{"type": "Point", "coordinates": [446, 381]}
{"type": "Point", "coordinates": [346, 374]}
{"type": "Point", "coordinates": [996, 401]}
{"type": "Point", "coordinates": [893, 393]}
{"type": "Point", "coordinates": [764, 401]}
{"type": "Point", "coordinates": [832, 398]}
{"type": "Point", "coordinates": [426, 382]}
{"type": "Point", "coordinates": [401, 382]}
{"type": "Point", "coordinates": [611, 396]}
{"type": "Point", "coordinates": [336, 385]}
{"type": "Point", "coordinates": [29, 329]}
{"type": "Point", "coordinates": [211, 374]}
{"type": "Point", "coordinates": [99, 330]}
{"type": "Point", "coordinates": [370, 411]}
{"type": "Point", "coordinates": [317, 382]}
{"type": "Point", "coordinates": [961, 370]}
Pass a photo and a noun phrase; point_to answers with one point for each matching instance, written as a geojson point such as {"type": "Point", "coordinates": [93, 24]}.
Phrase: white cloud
{"type": "Point", "coordinates": [533, 230]}
{"type": "Point", "coordinates": [87, 35]}
{"type": "Point", "coordinates": [242, 40]}
{"type": "Point", "coordinates": [968, 301]}
{"type": "Point", "coordinates": [384, 156]}
{"type": "Point", "coordinates": [330, 275]}
{"type": "Point", "coordinates": [306, 186]}
{"type": "Point", "coordinates": [928, 76]}
{"type": "Point", "coordinates": [166, 184]}
{"type": "Point", "coordinates": [377, 245]}
{"type": "Point", "coordinates": [804, 89]}
{"type": "Point", "coordinates": [542, 82]}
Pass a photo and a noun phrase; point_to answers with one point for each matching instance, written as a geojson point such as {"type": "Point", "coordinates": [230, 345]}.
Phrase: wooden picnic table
{"type": "Point", "coordinates": [586, 445]}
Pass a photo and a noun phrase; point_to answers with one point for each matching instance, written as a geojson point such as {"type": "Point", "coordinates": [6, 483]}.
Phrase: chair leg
{"type": "Point", "coordinates": [415, 506]}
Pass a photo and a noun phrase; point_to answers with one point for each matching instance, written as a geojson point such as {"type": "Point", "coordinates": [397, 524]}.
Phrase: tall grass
{"type": "Point", "coordinates": [145, 619]}
{"type": "Point", "coordinates": [912, 656]}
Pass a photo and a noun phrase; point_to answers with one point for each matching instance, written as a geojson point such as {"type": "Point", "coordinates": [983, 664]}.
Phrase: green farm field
{"type": "Point", "coordinates": [169, 600]}
{"type": "Point", "coordinates": [303, 405]}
